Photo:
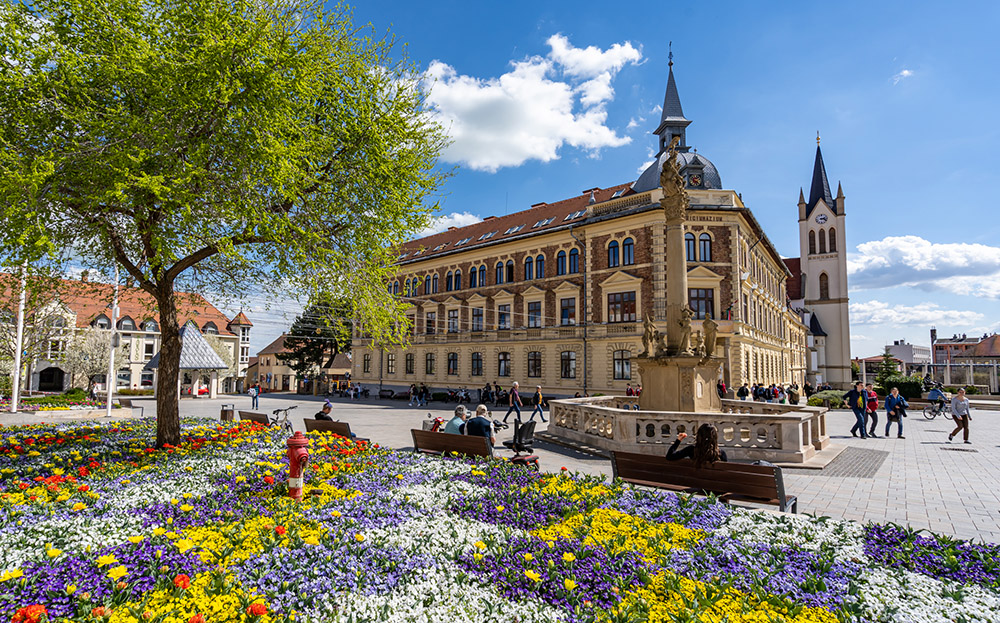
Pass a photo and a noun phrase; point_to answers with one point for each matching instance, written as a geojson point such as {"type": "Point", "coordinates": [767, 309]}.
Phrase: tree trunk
{"type": "Point", "coordinates": [168, 420]}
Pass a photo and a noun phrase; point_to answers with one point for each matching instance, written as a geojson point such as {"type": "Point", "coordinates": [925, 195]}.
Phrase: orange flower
{"type": "Point", "coordinates": [30, 614]}
{"type": "Point", "coordinates": [100, 612]}
{"type": "Point", "coordinates": [280, 529]}
{"type": "Point", "coordinates": [83, 488]}
{"type": "Point", "coordinates": [257, 610]}
{"type": "Point", "coordinates": [269, 480]}
{"type": "Point", "coordinates": [198, 618]}
{"type": "Point", "coordinates": [182, 581]}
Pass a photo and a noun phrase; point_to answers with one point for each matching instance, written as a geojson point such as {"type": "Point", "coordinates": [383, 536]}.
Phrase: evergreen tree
{"type": "Point", "coordinates": [317, 335]}
{"type": "Point", "coordinates": [887, 369]}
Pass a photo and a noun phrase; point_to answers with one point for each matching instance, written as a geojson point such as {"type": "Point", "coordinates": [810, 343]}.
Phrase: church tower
{"type": "Point", "coordinates": [822, 234]}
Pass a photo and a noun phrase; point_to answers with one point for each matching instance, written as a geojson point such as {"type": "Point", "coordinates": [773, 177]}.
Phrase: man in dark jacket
{"type": "Point", "coordinates": [857, 400]}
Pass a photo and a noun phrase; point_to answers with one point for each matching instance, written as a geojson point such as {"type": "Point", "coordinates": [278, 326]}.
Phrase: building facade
{"type": "Point", "coordinates": [910, 354]}
{"type": "Point", "coordinates": [556, 295]}
{"type": "Point", "coordinates": [79, 305]}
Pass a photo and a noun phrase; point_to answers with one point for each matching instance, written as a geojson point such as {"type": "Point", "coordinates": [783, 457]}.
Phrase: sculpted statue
{"type": "Point", "coordinates": [711, 333]}
{"type": "Point", "coordinates": [648, 336]}
{"type": "Point", "coordinates": [684, 344]}
{"type": "Point", "coordinates": [661, 345]}
{"type": "Point", "coordinates": [675, 200]}
{"type": "Point", "coordinates": [697, 344]}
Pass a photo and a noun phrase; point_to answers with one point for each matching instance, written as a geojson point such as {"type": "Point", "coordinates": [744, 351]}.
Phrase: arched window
{"type": "Point", "coordinates": [705, 247]}
{"type": "Point", "coordinates": [824, 286]}
{"type": "Point", "coordinates": [448, 282]}
{"type": "Point", "coordinates": [499, 273]}
{"type": "Point", "coordinates": [208, 329]}
{"type": "Point", "coordinates": [510, 271]}
{"type": "Point", "coordinates": [395, 287]}
{"type": "Point", "coordinates": [574, 261]}
{"type": "Point", "coordinates": [561, 263]}
{"type": "Point", "coordinates": [452, 364]}
{"type": "Point", "coordinates": [434, 284]}
{"type": "Point", "coordinates": [535, 364]}
{"type": "Point", "coordinates": [613, 254]}
{"type": "Point", "coordinates": [427, 284]}
{"type": "Point", "coordinates": [812, 242]}
{"type": "Point", "coordinates": [689, 248]}
{"type": "Point", "coordinates": [477, 364]}
{"type": "Point", "coordinates": [102, 322]}
{"type": "Point", "coordinates": [529, 268]}
{"type": "Point", "coordinates": [409, 362]}
{"type": "Point", "coordinates": [628, 252]}
{"type": "Point", "coordinates": [472, 278]}
{"type": "Point", "coordinates": [822, 241]}
{"type": "Point", "coordinates": [503, 364]}
{"type": "Point", "coordinates": [540, 267]}
{"type": "Point", "coordinates": [833, 240]}
{"type": "Point", "coordinates": [482, 276]}
{"type": "Point", "coordinates": [127, 324]}
{"type": "Point", "coordinates": [458, 280]}
{"type": "Point", "coordinates": [150, 325]}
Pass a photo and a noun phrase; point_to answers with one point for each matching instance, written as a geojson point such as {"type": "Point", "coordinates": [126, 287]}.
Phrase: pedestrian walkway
{"type": "Point", "coordinates": [921, 481]}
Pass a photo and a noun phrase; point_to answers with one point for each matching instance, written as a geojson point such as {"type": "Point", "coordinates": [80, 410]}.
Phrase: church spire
{"type": "Point", "coordinates": [820, 188]}
{"type": "Point", "coordinates": [672, 120]}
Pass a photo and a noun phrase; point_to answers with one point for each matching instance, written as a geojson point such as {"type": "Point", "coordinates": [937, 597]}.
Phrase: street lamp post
{"type": "Point", "coordinates": [114, 339]}
{"type": "Point", "coordinates": [15, 389]}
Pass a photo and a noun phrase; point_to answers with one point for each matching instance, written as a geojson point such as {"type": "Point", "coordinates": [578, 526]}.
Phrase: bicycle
{"type": "Point", "coordinates": [286, 425]}
{"type": "Point", "coordinates": [935, 409]}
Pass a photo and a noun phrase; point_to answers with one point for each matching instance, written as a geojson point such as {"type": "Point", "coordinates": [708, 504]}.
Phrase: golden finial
{"type": "Point", "coordinates": [817, 138]}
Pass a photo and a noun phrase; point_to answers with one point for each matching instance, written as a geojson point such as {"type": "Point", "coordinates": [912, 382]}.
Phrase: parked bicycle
{"type": "Point", "coordinates": [285, 423]}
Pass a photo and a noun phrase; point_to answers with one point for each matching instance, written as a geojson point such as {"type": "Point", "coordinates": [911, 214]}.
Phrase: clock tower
{"type": "Point", "coordinates": [823, 261]}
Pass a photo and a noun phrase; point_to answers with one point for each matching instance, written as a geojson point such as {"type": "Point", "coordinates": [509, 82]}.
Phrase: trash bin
{"type": "Point", "coordinates": [228, 413]}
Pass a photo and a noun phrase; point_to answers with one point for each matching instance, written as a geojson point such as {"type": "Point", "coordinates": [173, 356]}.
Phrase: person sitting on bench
{"type": "Point", "coordinates": [324, 413]}
{"type": "Point", "coordinates": [456, 425]}
{"type": "Point", "coordinates": [481, 426]}
{"type": "Point", "coordinates": [705, 448]}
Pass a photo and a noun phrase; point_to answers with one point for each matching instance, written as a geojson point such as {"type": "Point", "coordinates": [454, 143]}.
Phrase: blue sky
{"type": "Point", "coordinates": [546, 99]}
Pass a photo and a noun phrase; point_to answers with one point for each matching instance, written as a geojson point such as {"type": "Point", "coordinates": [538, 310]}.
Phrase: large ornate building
{"type": "Point", "coordinates": [556, 295]}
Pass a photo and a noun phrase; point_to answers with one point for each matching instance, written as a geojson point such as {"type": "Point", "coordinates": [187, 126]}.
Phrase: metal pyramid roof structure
{"type": "Point", "coordinates": [196, 352]}
{"type": "Point", "coordinates": [820, 188]}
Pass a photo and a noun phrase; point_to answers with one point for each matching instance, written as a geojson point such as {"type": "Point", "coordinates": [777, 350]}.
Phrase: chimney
{"type": "Point", "coordinates": [85, 276]}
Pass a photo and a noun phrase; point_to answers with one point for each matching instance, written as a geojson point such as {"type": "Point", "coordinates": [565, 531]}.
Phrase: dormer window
{"type": "Point", "coordinates": [488, 236]}
{"type": "Point", "coordinates": [514, 230]}
{"type": "Point", "coordinates": [574, 215]}
{"type": "Point", "coordinates": [126, 324]}
{"type": "Point", "coordinates": [101, 322]}
{"type": "Point", "coordinates": [210, 329]}
{"type": "Point", "coordinates": [150, 325]}
{"type": "Point", "coordinates": [543, 222]}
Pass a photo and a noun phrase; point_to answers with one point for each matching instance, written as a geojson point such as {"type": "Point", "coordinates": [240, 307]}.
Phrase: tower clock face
{"type": "Point", "coordinates": [820, 218]}
{"type": "Point", "coordinates": [695, 180]}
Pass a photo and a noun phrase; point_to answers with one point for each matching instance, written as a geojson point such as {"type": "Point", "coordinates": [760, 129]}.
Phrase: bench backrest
{"type": "Point", "coordinates": [125, 402]}
{"type": "Point", "coordinates": [757, 481]}
{"type": "Point", "coordinates": [337, 428]}
{"type": "Point", "coordinates": [260, 418]}
{"type": "Point", "coordinates": [428, 441]}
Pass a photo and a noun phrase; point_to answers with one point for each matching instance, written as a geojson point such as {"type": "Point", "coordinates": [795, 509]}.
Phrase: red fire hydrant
{"type": "Point", "coordinates": [298, 457]}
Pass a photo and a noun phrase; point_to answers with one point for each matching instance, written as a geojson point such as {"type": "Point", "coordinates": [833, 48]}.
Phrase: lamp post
{"type": "Point", "coordinates": [114, 344]}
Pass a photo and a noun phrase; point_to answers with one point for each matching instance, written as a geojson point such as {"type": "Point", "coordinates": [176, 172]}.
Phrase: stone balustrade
{"type": "Point", "coordinates": [747, 431]}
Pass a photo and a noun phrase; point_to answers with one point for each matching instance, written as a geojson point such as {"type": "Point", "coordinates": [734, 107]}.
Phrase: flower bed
{"type": "Point", "coordinates": [44, 404]}
{"type": "Point", "coordinates": [96, 525]}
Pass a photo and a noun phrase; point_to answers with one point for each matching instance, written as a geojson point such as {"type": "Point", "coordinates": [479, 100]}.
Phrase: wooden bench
{"type": "Point", "coordinates": [260, 418]}
{"type": "Point", "coordinates": [761, 484]}
{"type": "Point", "coordinates": [386, 394]}
{"type": "Point", "coordinates": [445, 443]}
{"type": "Point", "coordinates": [337, 428]}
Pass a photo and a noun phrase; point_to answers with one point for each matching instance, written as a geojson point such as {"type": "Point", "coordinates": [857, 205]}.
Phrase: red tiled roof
{"type": "Point", "coordinates": [988, 347]}
{"type": "Point", "coordinates": [241, 320]}
{"type": "Point", "coordinates": [794, 284]}
{"type": "Point", "coordinates": [277, 346]}
{"type": "Point", "coordinates": [558, 211]}
{"type": "Point", "coordinates": [88, 300]}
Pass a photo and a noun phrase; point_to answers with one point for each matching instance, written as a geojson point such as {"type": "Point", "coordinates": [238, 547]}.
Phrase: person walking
{"type": "Point", "coordinates": [871, 406]}
{"type": "Point", "coordinates": [743, 392]}
{"type": "Point", "coordinates": [720, 388]}
{"type": "Point", "coordinates": [857, 400]}
{"type": "Point", "coordinates": [255, 397]}
{"type": "Point", "coordinates": [895, 411]}
{"type": "Point", "coordinates": [960, 413]}
{"type": "Point", "coordinates": [413, 395]}
{"type": "Point", "coordinates": [537, 400]}
{"type": "Point", "coordinates": [514, 400]}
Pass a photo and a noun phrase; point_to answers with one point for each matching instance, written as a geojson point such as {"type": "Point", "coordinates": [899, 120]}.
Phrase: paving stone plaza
{"type": "Point", "coordinates": [921, 481]}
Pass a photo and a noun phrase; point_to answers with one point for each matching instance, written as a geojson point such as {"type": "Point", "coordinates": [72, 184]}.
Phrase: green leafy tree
{"type": "Point", "coordinates": [203, 146]}
{"type": "Point", "coordinates": [319, 333]}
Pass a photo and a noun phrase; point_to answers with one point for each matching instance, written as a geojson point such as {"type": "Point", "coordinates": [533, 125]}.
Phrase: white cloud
{"type": "Point", "coordinates": [922, 314]}
{"type": "Point", "coordinates": [531, 111]}
{"type": "Point", "coordinates": [902, 75]}
{"type": "Point", "coordinates": [442, 223]}
{"type": "Point", "coordinates": [644, 166]}
{"type": "Point", "coordinates": [591, 61]}
{"type": "Point", "coordinates": [972, 269]}
{"type": "Point", "coordinates": [634, 123]}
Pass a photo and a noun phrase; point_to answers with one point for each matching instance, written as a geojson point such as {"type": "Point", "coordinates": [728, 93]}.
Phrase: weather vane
{"type": "Point", "coordinates": [817, 138]}
{"type": "Point", "coordinates": [670, 55]}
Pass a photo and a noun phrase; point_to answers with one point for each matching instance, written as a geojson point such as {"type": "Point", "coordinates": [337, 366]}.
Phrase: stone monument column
{"type": "Point", "coordinates": [681, 376]}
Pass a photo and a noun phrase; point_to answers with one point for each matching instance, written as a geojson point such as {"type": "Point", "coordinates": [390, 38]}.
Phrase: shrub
{"type": "Point", "coordinates": [909, 386]}
{"type": "Point", "coordinates": [835, 396]}
{"type": "Point", "coordinates": [969, 389]}
{"type": "Point", "coordinates": [76, 393]}
{"type": "Point", "coordinates": [134, 392]}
